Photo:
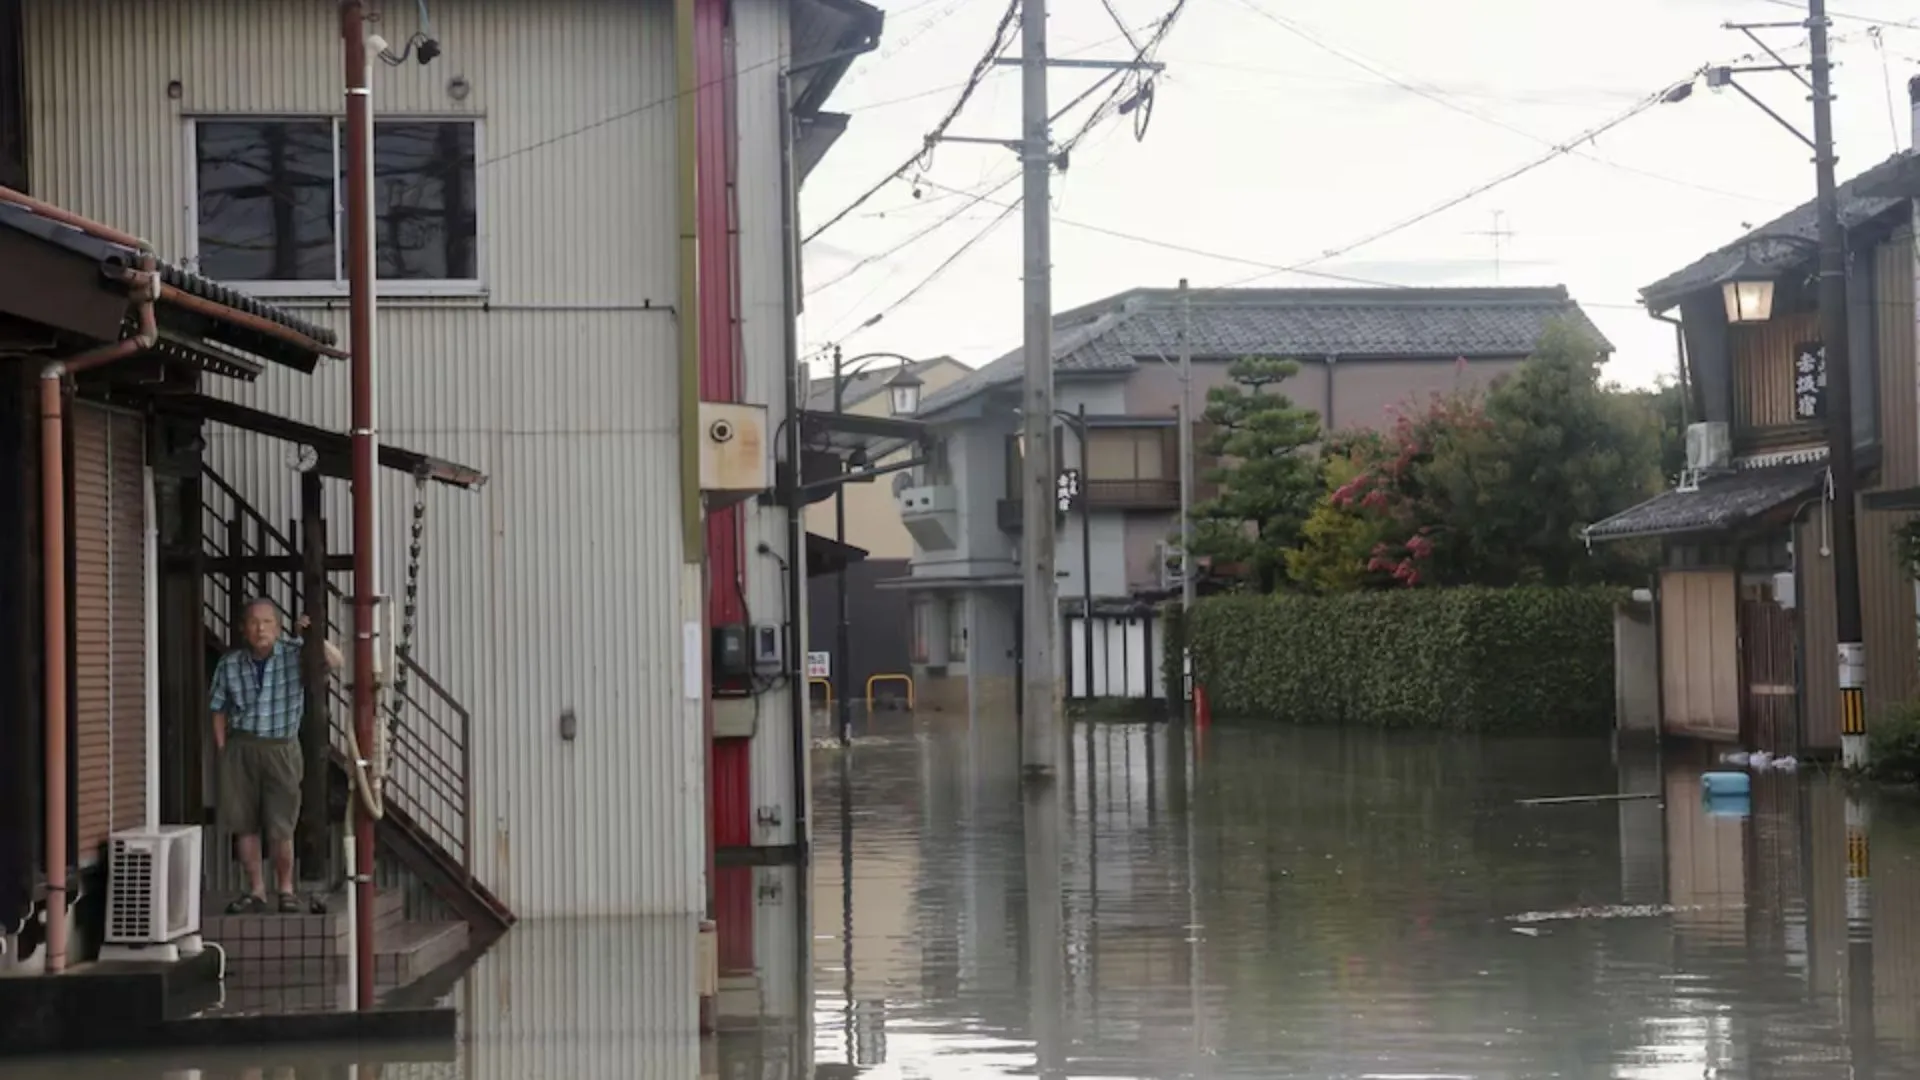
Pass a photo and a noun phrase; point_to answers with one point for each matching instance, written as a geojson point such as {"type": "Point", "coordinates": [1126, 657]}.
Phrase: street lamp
{"type": "Point", "coordinates": [1748, 292]}
{"type": "Point", "coordinates": [903, 399]}
{"type": "Point", "coordinates": [903, 392]}
{"type": "Point", "coordinates": [1748, 288]}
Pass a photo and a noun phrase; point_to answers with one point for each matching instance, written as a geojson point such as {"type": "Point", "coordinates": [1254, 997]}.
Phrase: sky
{"type": "Point", "coordinates": [1283, 130]}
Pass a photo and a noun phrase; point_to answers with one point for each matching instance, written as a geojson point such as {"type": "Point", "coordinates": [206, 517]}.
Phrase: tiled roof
{"type": "Point", "coordinates": [1113, 335]}
{"type": "Point", "coordinates": [18, 217]}
{"type": "Point", "coordinates": [1865, 197]}
{"type": "Point", "coordinates": [1720, 502]}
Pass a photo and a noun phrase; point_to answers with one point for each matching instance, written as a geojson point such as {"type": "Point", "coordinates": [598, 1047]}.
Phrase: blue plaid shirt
{"type": "Point", "coordinates": [263, 698]}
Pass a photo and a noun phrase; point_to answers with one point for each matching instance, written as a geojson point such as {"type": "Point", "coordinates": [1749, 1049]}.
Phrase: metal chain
{"type": "Point", "coordinates": [410, 599]}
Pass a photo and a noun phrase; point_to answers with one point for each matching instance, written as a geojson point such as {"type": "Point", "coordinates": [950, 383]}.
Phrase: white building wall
{"type": "Point", "coordinates": [561, 584]}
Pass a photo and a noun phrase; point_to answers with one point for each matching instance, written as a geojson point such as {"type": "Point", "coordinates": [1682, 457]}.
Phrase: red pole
{"type": "Point", "coordinates": [360, 283]}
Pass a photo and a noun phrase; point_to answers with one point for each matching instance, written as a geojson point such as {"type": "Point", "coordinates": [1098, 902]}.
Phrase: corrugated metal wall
{"type": "Point", "coordinates": [561, 585]}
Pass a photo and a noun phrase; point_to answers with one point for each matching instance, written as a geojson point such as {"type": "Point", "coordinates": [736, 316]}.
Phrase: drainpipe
{"type": "Point", "coordinates": [797, 689]}
{"type": "Point", "coordinates": [360, 286]}
{"type": "Point", "coordinates": [1680, 356]}
{"type": "Point", "coordinates": [693, 538]}
{"type": "Point", "coordinates": [53, 557]}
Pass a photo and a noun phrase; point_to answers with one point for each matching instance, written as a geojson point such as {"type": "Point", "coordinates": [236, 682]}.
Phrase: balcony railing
{"type": "Point", "coordinates": [1133, 494]}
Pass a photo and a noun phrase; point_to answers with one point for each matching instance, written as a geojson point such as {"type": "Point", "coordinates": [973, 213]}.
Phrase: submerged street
{"type": "Point", "coordinates": [1273, 902]}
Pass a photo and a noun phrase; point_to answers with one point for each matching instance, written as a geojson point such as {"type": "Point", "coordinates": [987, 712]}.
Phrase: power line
{"type": "Point", "coordinates": [1446, 102]}
{"type": "Point", "coordinates": [973, 199]}
{"type": "Point", "coordinates": [1140, 101]}
{"type": "Point", "coordinates": [1801, 7]}
{"type": "Point", "coordinates": [1001, 39]}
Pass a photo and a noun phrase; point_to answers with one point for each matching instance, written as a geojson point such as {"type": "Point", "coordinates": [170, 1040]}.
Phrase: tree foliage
{"type": "Point", "coordinates": [1466, 489]}
{"type": "Point", "coordinates": [1268, 477]}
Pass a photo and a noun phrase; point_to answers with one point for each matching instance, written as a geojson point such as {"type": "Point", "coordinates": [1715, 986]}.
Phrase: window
{"type": "Point", "coordinates": [270, 204]}
{"type": "Point", "coordinates": [938, 471]}
{"type": "Point", "coordinates": [919, 649]}
{"type": "Point", "coordinates": [957, 631]}
{"type": "Point", "coordinates": [1127, 454]}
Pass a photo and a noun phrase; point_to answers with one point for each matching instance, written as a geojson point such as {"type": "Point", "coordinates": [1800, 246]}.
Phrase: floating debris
{"type": "Point", "coordinates": [1616, 911]}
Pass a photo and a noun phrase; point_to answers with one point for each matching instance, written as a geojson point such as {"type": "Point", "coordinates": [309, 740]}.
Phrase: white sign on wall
{"type": "Point", "coordinates": [819, 665]}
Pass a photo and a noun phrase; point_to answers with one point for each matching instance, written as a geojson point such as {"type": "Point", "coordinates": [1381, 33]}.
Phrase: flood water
{"type": "Point", "coordinates": [1268, 902]}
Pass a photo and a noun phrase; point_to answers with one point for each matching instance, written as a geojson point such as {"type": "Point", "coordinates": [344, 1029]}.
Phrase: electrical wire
{"type": "Point", "coordinates": [973, 199]}
{"type": "Point", "coordinates": [1446, 102]}
{"type": "Point", "coordinates": [1893, 24]}
{"type": "Point", "coordinates": [1002, 38]}
{"type": "Point", "coordinates": [1133, 76]}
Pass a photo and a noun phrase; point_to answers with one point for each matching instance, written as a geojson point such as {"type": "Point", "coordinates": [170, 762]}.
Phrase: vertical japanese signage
{"type": "Point", "coordinates": [1810, 381]}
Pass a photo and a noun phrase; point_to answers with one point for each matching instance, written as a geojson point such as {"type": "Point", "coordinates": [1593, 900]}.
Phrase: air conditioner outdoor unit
{"type": "Point", "coordinates": [1172, 566]}
{"type": "Point", "coordinates": [1709, 448]}
{"type": "Point", "coordinates": [1709, 451]}
{"type": "Point", "coordinates": [153, 887]}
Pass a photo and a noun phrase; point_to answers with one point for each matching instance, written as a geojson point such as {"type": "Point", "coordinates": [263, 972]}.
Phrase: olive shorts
{"type": "Point", "coordinates": [260, 785]}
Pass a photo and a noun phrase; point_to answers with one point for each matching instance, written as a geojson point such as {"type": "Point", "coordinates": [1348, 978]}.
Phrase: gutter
{"type": "Point", "coordinates": [53, 553]}
{"type": "Point", "coordinates": [66, 217]}
{"type": "Point", "coordinates": [1680, 353]}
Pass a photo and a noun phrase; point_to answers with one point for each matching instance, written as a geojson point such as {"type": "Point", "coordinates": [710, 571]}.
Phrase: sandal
{"type": "Point", "coordinates": [289, 904]}
{"type": "Point", "coordinates": [247, 904]}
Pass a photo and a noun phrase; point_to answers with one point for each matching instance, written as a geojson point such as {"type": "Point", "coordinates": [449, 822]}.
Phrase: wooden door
{"type": "Point", "coordinates": [1699, 654]}
{"type": "Point", "coordinates": [108, 528]}
{"type": "Point", "coordinates": [1771, 720]}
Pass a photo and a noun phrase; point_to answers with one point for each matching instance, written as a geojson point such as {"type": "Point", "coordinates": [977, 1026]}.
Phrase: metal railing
{"type": "Point", "coordinates": [430, 754]}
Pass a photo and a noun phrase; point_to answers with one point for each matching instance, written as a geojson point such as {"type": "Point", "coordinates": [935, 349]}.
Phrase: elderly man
{"type": "Point", "coordinates": [257, 701]}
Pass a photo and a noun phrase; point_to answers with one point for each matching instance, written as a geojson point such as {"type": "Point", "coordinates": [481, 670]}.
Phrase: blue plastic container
{"type": "Point", "coordinates": [1735, 806]}
{"type": "Point", "coordinates": [1726, 783]}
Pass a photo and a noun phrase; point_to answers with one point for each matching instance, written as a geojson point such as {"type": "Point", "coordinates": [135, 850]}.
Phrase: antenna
{"type": "Point", "coordinates": [1497, 234]}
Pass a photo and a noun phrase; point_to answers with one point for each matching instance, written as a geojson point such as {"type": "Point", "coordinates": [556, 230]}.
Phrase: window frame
{"type": "Point", "coordinates": [956, 618]}
{"type": "Point", "coordinates": [920, 632]}
{"type": "Point", "coordinates": [1139, 437]}
{"type": "Point", "coordinates": [337, 289]}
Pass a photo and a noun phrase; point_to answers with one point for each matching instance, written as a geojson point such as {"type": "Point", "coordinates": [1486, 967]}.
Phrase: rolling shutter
{"type": "Point", "coordinates": [108, 528]}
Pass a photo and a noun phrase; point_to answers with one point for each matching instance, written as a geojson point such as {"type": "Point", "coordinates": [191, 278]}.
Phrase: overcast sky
{"type": "Point", "coordinates": [1268, 149]}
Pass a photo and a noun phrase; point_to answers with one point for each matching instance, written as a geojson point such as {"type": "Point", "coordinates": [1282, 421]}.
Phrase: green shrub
{"type": "Point", "coordinates": [1468, 659]}
{"type": "Point", "coordinates": [1893, 745]}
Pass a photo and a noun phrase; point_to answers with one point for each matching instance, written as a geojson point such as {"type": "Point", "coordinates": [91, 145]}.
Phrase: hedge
{"type": "Point", "coordinates": [1469, 659]}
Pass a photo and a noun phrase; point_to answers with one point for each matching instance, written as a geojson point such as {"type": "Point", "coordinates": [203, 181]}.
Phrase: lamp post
{"type": "Point", "coordinates": [1749, 298]}
{"type": "Point", "coordinates": [903, 399]}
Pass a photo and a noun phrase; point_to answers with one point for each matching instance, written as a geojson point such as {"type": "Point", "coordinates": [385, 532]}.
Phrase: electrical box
{"type": "Point", "coordinates": [731, 658]}
{"type": "Point", "coordinates": [769, 649]}
{"type": "Point", "coordinates": [1783, 589]}
{"type": "Point", "coordinates": [733, 448]}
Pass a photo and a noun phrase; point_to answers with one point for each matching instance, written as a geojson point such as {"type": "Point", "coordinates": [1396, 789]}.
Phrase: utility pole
{"type": "Point", "coordinates": [1040, 691]}
{"type": "Point", "coordinates": [1040, 704]}
{"type": "Point", "coordinates": [1833, 337]}
{"type": "Point", "coordinates": [360, 285]}
{"type": "Point", "coordinates": [1186, 451]}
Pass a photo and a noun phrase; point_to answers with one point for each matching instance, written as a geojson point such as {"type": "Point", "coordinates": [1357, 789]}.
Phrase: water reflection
{"type": "Point", "coordinates": [1315, 903]}
{"type": "Point", "coordinates": [1268, 902]}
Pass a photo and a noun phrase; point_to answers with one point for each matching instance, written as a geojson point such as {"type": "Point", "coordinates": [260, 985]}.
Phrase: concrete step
{"type": "Point", "coordinates": [273, 936]}
{"type": "Point", "coordinates": [401, 954]}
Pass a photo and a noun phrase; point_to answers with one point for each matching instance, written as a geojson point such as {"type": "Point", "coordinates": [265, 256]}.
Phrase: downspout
{"type": "Point", "coordinates": [693, 540]}
{"type": "Point", "coordinates": [53, 555]}
{"type": "Point", "coordinates": [791, 480]}
{"type": "Point", "coordinates": [1680, 356]}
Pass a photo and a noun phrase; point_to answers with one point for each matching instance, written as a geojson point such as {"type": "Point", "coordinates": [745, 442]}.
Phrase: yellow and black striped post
{"type": "Point", "coordinates": [1853, 705]}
